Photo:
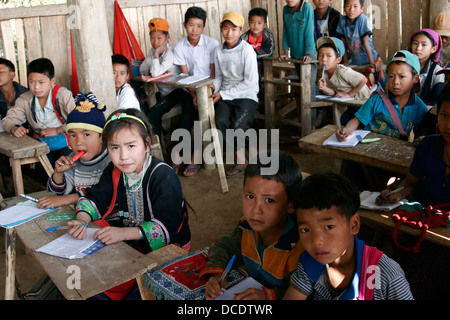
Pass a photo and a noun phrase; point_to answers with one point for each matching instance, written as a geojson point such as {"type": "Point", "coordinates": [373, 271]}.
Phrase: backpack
{"type": "Point", "coordinates": [416, 216]}
{"type": "Point", "coordinates": [44, 289]}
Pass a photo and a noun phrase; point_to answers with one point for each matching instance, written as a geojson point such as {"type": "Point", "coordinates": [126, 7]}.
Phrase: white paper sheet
{"type": "Point", "coordinates": [192, 79]}
{"type": "Point", "coordinates": [20, 213]}
{"type": "Point", "coordinates": [368, 202]}
{"type": "Point", "coordinates": [351, 140]}
{"type": "Point", "coordinates": [247, 283]}
{"type": "Point", "coordinates": [68, 247]}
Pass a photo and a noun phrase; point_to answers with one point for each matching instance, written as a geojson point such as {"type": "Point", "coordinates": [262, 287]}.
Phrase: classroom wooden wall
{"type": "Point", "coordinates": [29, 33]}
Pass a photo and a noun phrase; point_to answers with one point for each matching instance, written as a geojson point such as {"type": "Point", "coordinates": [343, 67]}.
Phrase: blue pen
{"type": "Point", "coordinates": [323, 71]}
{"type": "Point", "coordinates": [63, 227]}
{"type": "Point", "coordinates": [227, 269]}
{"type": "Point", "coordinates": [29, 198]}
{"type": "Point", "coordinates": [380, 86]}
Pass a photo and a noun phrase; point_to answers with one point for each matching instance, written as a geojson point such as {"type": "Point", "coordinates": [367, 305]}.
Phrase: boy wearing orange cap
{"type": "Point", "coordinates": [442, 26]}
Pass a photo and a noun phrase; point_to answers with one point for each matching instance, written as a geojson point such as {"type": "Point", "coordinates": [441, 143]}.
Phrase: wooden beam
{"type": "Point", "coordinates": [35, 11]}
{"type": "Point", "coordinates": [93, 51]}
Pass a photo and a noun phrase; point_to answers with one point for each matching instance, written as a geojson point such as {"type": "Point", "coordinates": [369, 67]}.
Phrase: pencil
{"type": "Point", "coordinates": [29, 198]}
{"type": "Point", "coordinates": [406, 186]}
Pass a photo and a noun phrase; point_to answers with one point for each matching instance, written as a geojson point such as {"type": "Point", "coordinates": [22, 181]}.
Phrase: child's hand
{"type": "Point", "coordinates": [49, 132]}
{"type": "Point", "coordinates": [213, 289]}
{"type": "Point", "coordinates": [48, 202]}
{"type": "Point", "coordinates": [322, 84]}
{"type": "Point", "coordinates": [63, 164]}
{"type": "Point", "coordinates": [342, 135]}
{"type": "Point", "coordinates": [79, 230]}
{"type": "Point", "coordinates": [283, 57]}
{"type": "Point", "coordinates": [19, 132]}
{"type": "Point", "coordinates": [306, 59]}
{"type": "Point", "coordinates": [251, 294]}
{"type": "Point", "coordinates": [342, 95]}
{"type": "Point", "coordinates": [160, 50]}
{"type": "Point", "coordinates": [216, 97]}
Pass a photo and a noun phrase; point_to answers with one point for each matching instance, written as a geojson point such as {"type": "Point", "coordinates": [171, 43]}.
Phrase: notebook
{"type": "Point", "coordinates": [21, 213]}
{"type": "Point", "coordinates": [332, 98]}
{"type": "Point", "coordinates": [245, 284]}
{"type": "Point", "coordinates": [192, 79]}
{"type": "Point", "coordinates": [351, 141]}
{"type": "Point", "coordinates": [368, 202]}
{"type": "Point", "coordinates": [70, 248]}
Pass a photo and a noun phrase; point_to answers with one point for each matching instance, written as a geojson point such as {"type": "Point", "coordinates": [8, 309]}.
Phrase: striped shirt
{"type": "Point", "coordinates": [82, 176]}
{"type": "Point", "coordinates": [392, 284]}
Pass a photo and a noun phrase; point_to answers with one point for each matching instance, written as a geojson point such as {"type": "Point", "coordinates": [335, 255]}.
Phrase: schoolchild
{"type": "Point", "coordinates": [42, 112]}
{"type": "Point", "coordinates": [326, 19]}
{"type": "Point", "coordinates": [10, 90]}
{"type": "Point", "coordinates": [259, 36]}
{"type": "Point", "coordinates": [150, 208]}
{"type": "Point", "coordinates": [194, 54]}
{"type": "Point", "coordinates": [336, 265]}
{"type": "Point", "coordinates": [266, 238]}
{"type": "Point", "coordinates": [125, 94]}
{"type": "Point", "coordinates": [396, 112]}
{"type": "Point", "coordinates": [442, 27]}
{"type": "Point", "coordinates": [426, 44]}
{"type": "Point", "coordinates": [235, 87]}
{"type": "Point", "coordinates": [72, 177]}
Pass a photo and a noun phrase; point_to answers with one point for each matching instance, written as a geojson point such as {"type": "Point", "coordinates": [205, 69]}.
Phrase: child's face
{"type": "Point", "coordinates": [127, 150]}
{"type": "Point", "coordinates": [158, 39]}
{"type": "Point", "coordinates": [257, 25]}
{"type": "Point", "coordinates": [444, 121]}
{"type": "Point", "coordinates": [322, 4]}
{"type": "Point", "coordinates": [6, 75]}
{"type": "Point", "coordinates": [231, 33]}
{"type": "Point", "coordinates": [353, 9]}
{"type": "Point", "coordinates": [85, 140]}
{"type": "Point", "coordinates": [445, 41]}
{"type": "Point", "coordinates": [327, 235]}
{"type": "Point", "coordinates": [265, 204]}
{"type": "Point", "coordinates": [194, 29]}
{"type": "Point", "coordinates": [400, 79]}
{"type": "Point", "coordinates": [293, 3]}
{"type": "Point", "coordinates": [422, 47]}
{"type": "Point", "coordinates": [40, 84]}
{"type": "Point", "coordinates": [327, 57]}
{"type": "Point", "coordinates": [120, 75]}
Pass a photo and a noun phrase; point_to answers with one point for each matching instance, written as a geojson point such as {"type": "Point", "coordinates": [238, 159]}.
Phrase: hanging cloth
{"type": "Point", "coordinates": [75, 86]}
{"type": "Point", "coordinates": [125, 42]}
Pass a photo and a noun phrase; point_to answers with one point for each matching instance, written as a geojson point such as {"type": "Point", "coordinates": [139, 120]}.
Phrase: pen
{"type": "Point", "coordinates": [29, 198]}
{"type": "Point", "coordinates": [397, 190]}
{"type": "Point", "coordinates": [380, 86]}
{"type": "Point", "coordinates": [339, 125]}
{"type": "Point", "coordinates": [63, 227]}
{"type": "Point", "coordinates": [227, 269]}
{"type": "Point", "coordinates": [370, 140]}
{"type": "Point", "coordinates": [323, 71]}
{"type": "Point", "coordinates": [78, 155]}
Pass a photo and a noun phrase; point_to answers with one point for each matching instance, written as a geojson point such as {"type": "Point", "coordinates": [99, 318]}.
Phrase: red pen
{"type": "Point", "coordinates": [78, 155]}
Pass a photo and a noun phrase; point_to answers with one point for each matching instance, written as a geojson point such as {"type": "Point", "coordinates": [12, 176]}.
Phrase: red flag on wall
{"type": "Point", "coordinates": [125, 42]}
{"type": "Point", "coordinates": [75, 86]}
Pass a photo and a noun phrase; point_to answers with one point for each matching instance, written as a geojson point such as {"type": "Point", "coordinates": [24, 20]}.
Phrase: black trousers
{"type": "Point", "coordinates": [234, 114]}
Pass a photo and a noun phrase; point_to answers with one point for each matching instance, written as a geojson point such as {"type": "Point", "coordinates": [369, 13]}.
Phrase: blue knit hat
{"type": "Point", "coordinates": [88, 114]}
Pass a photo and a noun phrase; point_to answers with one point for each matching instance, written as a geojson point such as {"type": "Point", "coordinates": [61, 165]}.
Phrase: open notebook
{"type": "Point", "coordinates": [21, 213]}
{"type": "Point", "coordinates": [245, 284]}
{"type": "Point", "coordinates": [70, 248]}
{"type": "Point", "coordinates": [351, 141]}
{"type": "Point", "coordinates": [368, 202]}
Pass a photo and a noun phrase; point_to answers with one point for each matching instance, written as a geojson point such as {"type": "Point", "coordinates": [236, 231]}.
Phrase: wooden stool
{"type": "Point", "coordinates": [22, 151]}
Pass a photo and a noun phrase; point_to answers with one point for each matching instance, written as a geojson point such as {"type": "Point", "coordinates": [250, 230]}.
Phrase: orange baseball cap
{"type": "Point", "coordinates": [158, 24]}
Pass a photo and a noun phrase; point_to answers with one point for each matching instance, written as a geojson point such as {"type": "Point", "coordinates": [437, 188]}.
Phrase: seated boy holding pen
{"type": "Point", "coordinates": [266, 238]}
{"type": "Point", "coordinates": [396, 112]}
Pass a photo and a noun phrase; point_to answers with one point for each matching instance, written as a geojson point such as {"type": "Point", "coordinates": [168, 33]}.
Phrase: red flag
{"type": "Point", "coordinates": [75, 86]}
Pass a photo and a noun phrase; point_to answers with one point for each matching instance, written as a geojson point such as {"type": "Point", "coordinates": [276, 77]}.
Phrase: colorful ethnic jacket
{"type": "Point", "coordinates": [157, 207]}
{"type": "Point", "coordinates": [271, 266]}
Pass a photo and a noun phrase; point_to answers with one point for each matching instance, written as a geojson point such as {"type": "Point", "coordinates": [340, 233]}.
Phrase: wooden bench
{"type": "Point", "coordinates": [22, 151]}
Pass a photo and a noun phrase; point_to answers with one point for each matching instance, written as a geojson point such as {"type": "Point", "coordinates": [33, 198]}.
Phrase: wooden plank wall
{"type": "Point", "coordinates": [30, 33]}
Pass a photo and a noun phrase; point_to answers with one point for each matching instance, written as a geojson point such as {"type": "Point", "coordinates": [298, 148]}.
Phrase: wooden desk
{"type": "Point", "coordinates": [206, 115]}
{"type": "Point", "coordinates": [107, 268]}
{"type": "Point", "coordinates": [389, 153]}
{"type": "Point", "coordinates": [382, 221]}
{"type": "Point", "coordinates": [272, 117]}
{"type": "Point", "coordinates": [22, 151]}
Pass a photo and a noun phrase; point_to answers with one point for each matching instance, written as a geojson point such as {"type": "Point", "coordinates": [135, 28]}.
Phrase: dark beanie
{"type": "Point", "coordinates": [88, 114]}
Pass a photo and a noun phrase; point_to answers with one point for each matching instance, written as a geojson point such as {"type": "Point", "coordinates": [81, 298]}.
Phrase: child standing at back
{"type": "Point", "coordinates": [259, 36]}
{"type": "Point", "coordinates": [326, 19]}
{"type": "Point", "coordinates": [126, 96]}
{"type": "Point", "coordinates": [266, 239]}
{"type": "Point", "coordinates": [336, 264]}
{"type": "Point", "coordinates": [426, 44]}
{"type": "Point", "coordinates": [71, 178]}
{"type": "Point", "coordinates": [151, 211]}
{"type": "Point", "coordinates": [442, 26]}
{"type": "Point", "coordinates": [355, 31]}
{"type": "Point", "coordinates": [194, 54]}
{"type": "Point", "coordinates": [397, 112]}
{"type": "Point", "coordinates": [235, 86]}
{"type": "Point", "coordinates": [338, 80]}
{"type": "Point", "coordinates": [44, 108]}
